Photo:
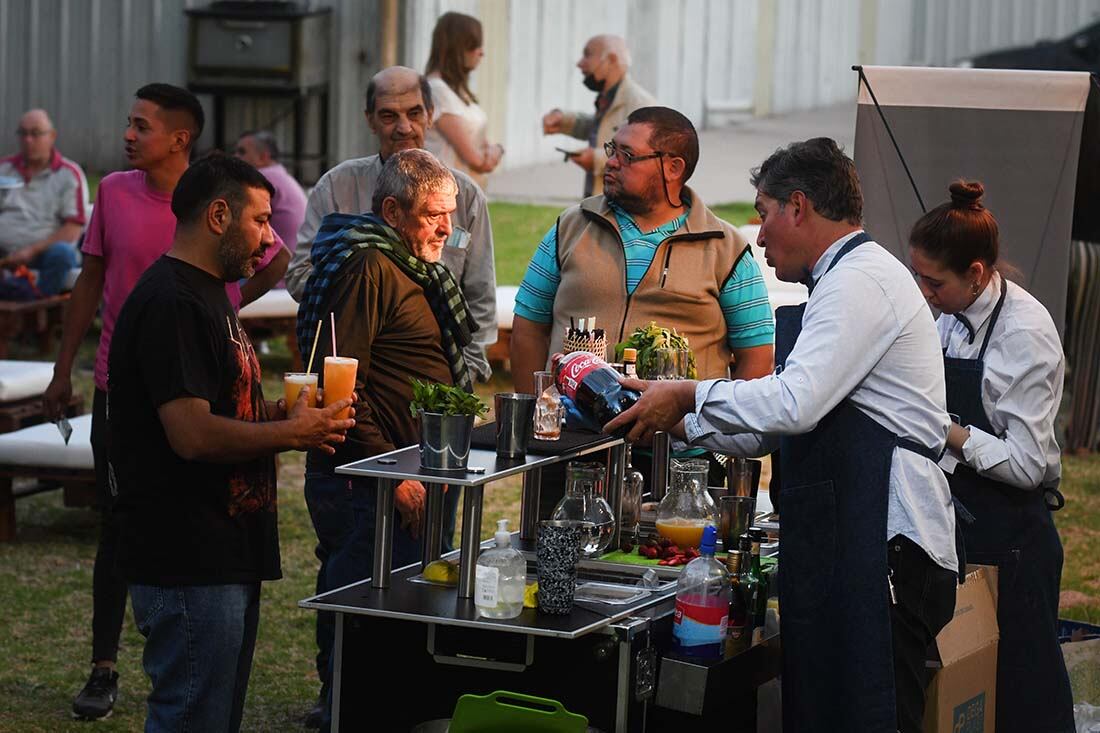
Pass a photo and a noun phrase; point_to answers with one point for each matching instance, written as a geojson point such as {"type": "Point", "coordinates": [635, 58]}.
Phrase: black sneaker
{"type": "Point", "coordinates": [98, 697]}
{"type": "Point", "coordinates": [315, 715]}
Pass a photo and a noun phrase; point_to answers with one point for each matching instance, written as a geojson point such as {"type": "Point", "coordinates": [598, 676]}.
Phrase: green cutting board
{"type": "Point", "coordinates": [633, 558]}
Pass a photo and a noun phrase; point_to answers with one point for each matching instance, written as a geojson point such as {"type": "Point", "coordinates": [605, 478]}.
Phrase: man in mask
{"type": "Point", "coordinates": [604, 63]}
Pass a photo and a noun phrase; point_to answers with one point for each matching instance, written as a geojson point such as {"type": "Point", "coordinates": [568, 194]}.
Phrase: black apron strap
{"type": "Point", "coordinates": [1054, 499]}
{"type": "Point", "coordinates": [993, 318]}
{"type": "Point", "coordinates": [858, 239]}
{"type": "Point", "coordinates": [920, 450]}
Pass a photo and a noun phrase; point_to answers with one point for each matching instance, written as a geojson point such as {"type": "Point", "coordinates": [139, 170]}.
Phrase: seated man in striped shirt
{"type": "Point", "coordinates": [647, 250]}
{"type": "Point", "coordinates": [42, 205]}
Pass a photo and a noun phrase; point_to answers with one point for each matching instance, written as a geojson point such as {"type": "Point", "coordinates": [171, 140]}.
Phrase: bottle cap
{"type": "Point", "coordinates": [630, 355]}
{"type": "Point", "coordinates": [710, 534]}
{"type": "Point", "coordinates": [733, 561]}
{"type": "Point", "coordinates": [503, 536]}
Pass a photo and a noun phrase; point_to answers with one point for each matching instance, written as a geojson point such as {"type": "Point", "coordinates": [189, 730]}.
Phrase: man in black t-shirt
{"type": "Point", "coordinates": [192, 445]}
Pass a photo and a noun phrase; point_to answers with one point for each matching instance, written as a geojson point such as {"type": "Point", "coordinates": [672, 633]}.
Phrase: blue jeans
{"type": "Point", "coordinates": [198, 653]}
{"type": "Point", "coordinates": [54, 265]}
{"type": "Point", "coordinates": [355, 560]}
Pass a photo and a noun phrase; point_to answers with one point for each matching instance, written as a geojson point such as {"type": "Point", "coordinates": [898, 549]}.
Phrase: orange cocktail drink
{"type": "Point", "coordinates": [340, 380]}
{"type": "Point", "coordinates": [293, 383]}
{"type": "Point", "coordinates": [683, 532]}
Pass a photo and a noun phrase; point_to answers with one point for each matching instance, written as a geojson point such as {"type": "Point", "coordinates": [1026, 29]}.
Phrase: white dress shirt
{"type": "Point", "coordinates": [868, 336]}
{"type": "Point", "coordinates": [1021, 386]}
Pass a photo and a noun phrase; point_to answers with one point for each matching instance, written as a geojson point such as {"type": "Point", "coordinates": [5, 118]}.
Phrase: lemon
{"type": "Point", "coordinates": [530, 597]}
{"type": "Point", "coordinates": [441, 571]}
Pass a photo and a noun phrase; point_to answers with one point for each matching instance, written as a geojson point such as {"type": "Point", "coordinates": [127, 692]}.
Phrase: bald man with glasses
{"type": "Point", "coordinates": [605, 66]}
{"type": "Point", "coordinates": [43, 204]}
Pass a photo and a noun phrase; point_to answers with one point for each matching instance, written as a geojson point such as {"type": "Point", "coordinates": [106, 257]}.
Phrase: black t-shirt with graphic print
{"type": "Point", "coordinates": [186, 522]}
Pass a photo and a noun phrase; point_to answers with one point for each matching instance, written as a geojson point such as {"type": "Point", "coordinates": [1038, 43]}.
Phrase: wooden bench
{"type": "Point", "coordinates": [39, 318]}
{"type": "Point", "coordinates": [275, 313]}
{"type": "Point", "coordinates": [39, 453]}
{"type": "Point", "coordinates": [21, 386]}
{"type": "Point", "coordinates": [499, 353]}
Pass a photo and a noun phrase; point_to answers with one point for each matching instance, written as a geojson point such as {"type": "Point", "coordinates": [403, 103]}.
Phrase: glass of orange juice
{"type": "Point", "coordinates": [293, 383]}
{"type": "Point", "coordinates": [340, 381]}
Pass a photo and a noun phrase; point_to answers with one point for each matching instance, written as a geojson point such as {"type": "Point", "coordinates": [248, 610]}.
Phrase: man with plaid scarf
{"type": "Point", "coordinates": [400, 313]}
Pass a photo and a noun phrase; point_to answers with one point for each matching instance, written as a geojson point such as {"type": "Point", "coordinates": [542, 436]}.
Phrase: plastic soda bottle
{"type": "Point", "coordinates": [699, 624]}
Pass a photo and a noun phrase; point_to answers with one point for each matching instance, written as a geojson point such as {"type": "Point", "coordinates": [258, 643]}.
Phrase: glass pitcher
{"type": "Point", "coordinates": [584, 502]}
{"type": "Point", "coordinates": [687, 507]}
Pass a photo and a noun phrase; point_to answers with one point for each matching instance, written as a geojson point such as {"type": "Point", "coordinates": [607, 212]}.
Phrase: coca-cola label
{"type": "Point", "coordinates": [574, 368]}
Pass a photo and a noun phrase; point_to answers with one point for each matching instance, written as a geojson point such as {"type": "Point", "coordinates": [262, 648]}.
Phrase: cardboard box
{"type": "Point", "coordinates": [962, 697]}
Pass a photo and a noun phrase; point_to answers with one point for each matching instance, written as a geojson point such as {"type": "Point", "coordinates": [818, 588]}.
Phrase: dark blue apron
{"type": "Point", "coordinates": [834, 594]}
{"type": "Point", "coordinates": [1012, 529]}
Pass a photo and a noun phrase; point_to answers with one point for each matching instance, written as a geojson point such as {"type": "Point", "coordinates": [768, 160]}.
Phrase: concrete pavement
{"type": "Point", "coordinates": [726, 155]}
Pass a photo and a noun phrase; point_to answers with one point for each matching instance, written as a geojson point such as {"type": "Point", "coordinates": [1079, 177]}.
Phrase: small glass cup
{"type": "Point", "coordinates": [669, 364]}
{"type": "Point", "coordinates": [293, 382]}
{"type": "Point", "coordinates": [340, 374]}
{"type": "Point", "coordinates": [549, 411]}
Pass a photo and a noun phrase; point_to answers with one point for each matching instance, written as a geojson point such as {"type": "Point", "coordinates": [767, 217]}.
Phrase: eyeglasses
{"type": "Point", "coordinates": [614, 151]}
{"type": "Point", "coordinates": [22, 132]}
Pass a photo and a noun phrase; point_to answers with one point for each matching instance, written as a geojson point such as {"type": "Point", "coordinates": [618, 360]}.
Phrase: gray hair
{"type": "Point", "coordinates": [265, 140]}
{"type": "Point", "coordinates": [409, 176]}
{"type": "Point", "coordinates": [818, 168]}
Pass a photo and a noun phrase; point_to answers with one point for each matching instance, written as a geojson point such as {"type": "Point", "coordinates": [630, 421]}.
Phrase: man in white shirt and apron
{"type": "Point", "coordinates": [867, 556]}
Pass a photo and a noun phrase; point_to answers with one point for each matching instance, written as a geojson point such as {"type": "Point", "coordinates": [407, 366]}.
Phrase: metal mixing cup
{"type": "Point", "coordinates": [743, 476]}
{"type": "Point", "coordinates": [737, 513]}
{"type": "Point", "coordinates": [515, 423]}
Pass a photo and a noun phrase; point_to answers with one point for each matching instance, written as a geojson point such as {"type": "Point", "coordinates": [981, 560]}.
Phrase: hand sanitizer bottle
{"type": "Point", "coordinates": [501, 578]}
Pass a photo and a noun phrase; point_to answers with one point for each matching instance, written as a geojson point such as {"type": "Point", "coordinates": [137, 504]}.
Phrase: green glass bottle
{"type": "Point", "coordinates": [760, 601]}
{"type": "Point", "coordinates": [751, 581]}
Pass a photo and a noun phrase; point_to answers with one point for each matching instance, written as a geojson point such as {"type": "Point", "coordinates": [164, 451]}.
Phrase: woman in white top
{"type": "Point", "coordinates": [1004, 366]}
{"type": "Point", "coordinates": [457, 136]}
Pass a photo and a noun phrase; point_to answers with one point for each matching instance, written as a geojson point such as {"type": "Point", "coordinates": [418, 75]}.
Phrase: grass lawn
{"type": "Point", "coordinates": [46, 574]}
{"type": "Point", "coordinates": [518, 229]}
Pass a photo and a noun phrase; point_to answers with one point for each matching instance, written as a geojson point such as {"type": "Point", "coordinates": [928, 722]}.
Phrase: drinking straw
{"type": "Point", "coordinates": [316, 338]}
{"type": "Point", "coordinates": [332, 322]}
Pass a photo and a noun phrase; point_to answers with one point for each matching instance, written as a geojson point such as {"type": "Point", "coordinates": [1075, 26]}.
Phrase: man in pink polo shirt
{"type": "Point", "coordinates": [288, 205]}
{"type": "Point", "coordinates": [131, 226]}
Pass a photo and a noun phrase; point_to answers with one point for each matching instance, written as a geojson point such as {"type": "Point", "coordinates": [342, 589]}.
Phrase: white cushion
{"type": "Point", "coordinates": [22, 379]}
{"type": "Point", "coordinates": [41, 446]}
{"type": "Point", "coordinates": [275, 303]}
{"type": "Point", "coordinates": [779, 292]}
{"type": "Point", "coordinates": [506, 302]}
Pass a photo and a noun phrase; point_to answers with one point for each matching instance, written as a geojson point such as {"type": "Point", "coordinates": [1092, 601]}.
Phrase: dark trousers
{"type": "Point", "coordinates": [108, 588]}
{"type": "Point", "coordinates": [354, 559]}
{"type": "Point", "coordinates": [925, 595]}
{"type": "Point", "coordinates": [329, 500]}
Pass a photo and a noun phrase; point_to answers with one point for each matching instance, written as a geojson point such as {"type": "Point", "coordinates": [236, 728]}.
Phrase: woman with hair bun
{"type": "Point", "coordinates": [458, 134]}
{"type": "Point", "coordinates": [1004, 366]}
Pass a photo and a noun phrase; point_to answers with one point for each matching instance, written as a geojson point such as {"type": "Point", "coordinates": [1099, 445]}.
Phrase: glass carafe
{"type": "Point", "coordinates": [584, 502]}
{"type": "Point", "coordinates": [687, 507]}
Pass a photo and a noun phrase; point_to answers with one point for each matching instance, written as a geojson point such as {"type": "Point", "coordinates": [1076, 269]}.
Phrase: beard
{"type": "Point", "coordinates": [633, 203]}
{"type": "Point", "coordinates": [591, 82]}
{"type": "Point", "coordinates": [235, 255]}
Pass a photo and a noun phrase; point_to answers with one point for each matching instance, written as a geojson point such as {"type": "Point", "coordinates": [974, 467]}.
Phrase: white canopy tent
{"type": "Point", "coordinates": [1019, 132]}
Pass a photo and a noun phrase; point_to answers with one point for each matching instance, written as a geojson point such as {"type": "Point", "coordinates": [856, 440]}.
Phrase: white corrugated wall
{"type": "Point", "coordinates": [83, 59]}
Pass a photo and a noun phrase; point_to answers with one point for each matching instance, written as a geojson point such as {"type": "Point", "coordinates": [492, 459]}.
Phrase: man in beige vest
{"type": "Point", "coordinates": [646, 250]}
{"type": "Point", "coordinates": [604, 63]}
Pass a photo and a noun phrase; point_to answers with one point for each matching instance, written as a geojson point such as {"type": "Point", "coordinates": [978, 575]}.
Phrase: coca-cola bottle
{"type": "Point", "coordinates": [592, 385]}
